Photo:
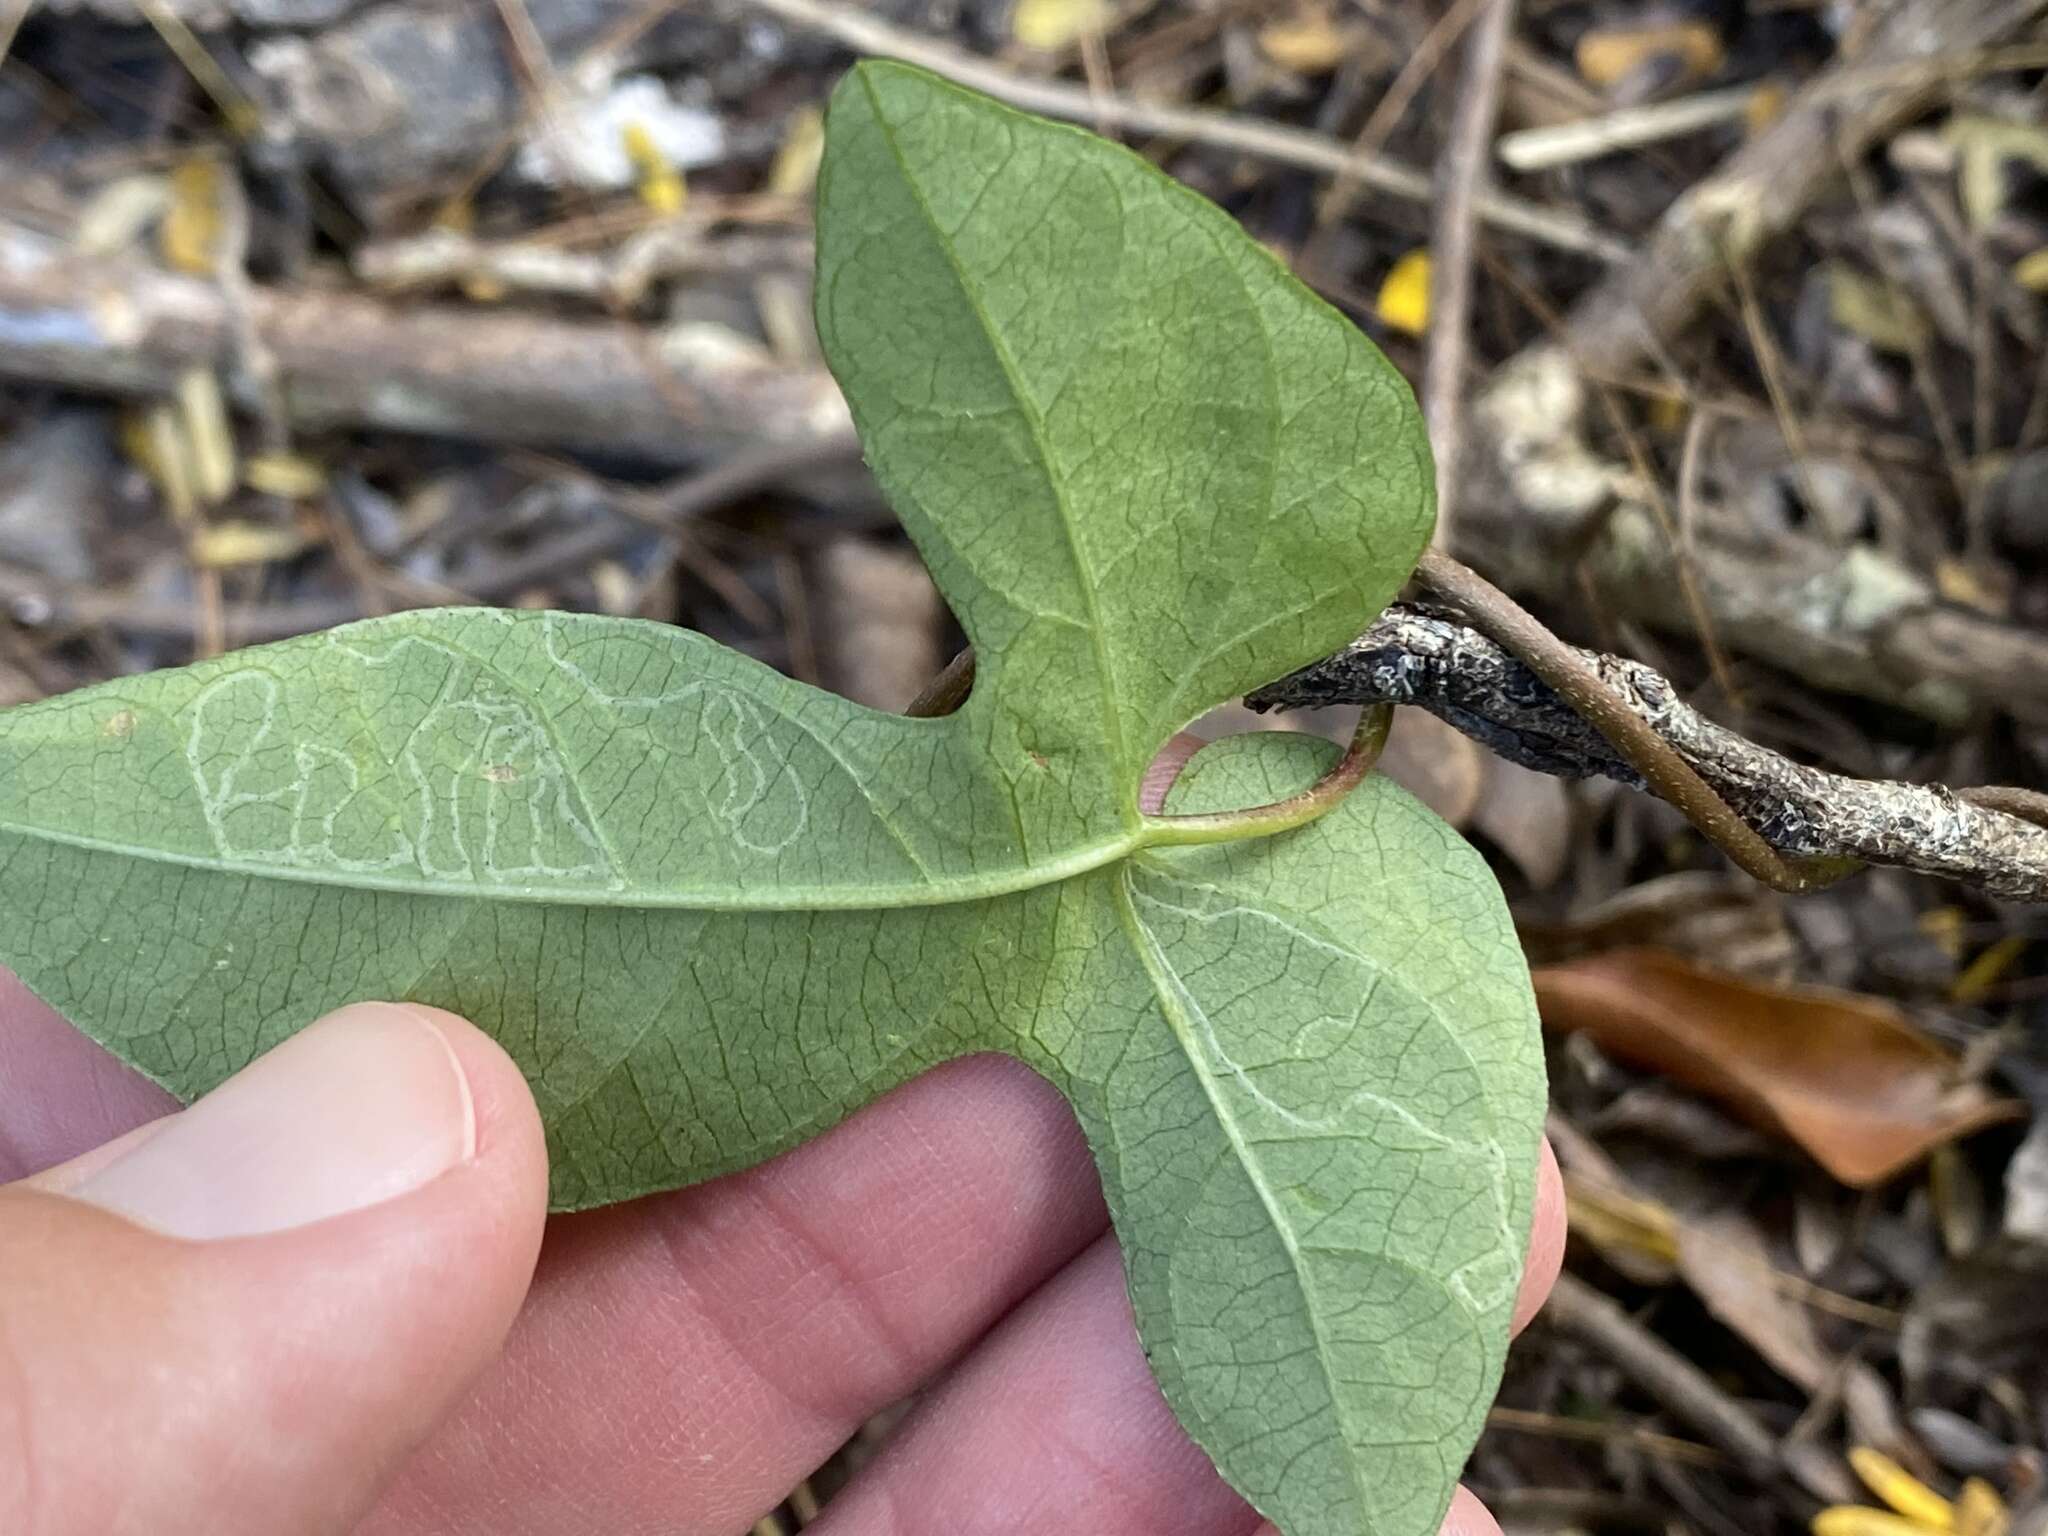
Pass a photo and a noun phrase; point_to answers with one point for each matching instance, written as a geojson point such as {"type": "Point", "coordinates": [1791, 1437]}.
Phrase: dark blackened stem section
{"type": "Point", "coordinates": [1367, 742]}
{"type": "Point", "coordinates": [1424, 657]}
{"type": "Point", "coordinates": [1505, 622]}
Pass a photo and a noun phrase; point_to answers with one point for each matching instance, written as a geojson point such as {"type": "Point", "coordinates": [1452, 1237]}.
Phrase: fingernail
{"type": "Point", "coordinates": [367, 1104]}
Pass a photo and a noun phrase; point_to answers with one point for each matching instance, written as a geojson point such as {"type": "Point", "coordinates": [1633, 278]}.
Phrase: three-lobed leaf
{"type": "Point", "coordinates": [711, 911]}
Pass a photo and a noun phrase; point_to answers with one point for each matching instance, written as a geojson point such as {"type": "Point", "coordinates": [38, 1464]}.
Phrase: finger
{"type": "Point", "coordinates": [1546, 1240]}
{"type": "Point", "coordinates": [1053, 1426]}
{"type": "Point", "coordinates": [63, 1094]}
{"type": "Point", "coordinates": [684, 1361]}
{"type": "Point", "coordinates": [1466, 1517]}
{"type": "Point", "coordinates": [265, 1303]}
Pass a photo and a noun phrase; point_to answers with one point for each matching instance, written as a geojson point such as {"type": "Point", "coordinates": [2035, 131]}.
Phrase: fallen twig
{"type": "Point", "coordinates": [617, 277]}
{"type": "Point", "coordinates": [1461, 178]}
{"type": "Point", "coordinates": [865, 33]}
{"type": "Point", "coordinates": [1658, 1369]}
{"type": "Point", "coordinates": [344, 359]}
{"type": "Point", "coordinates": [1415, 656]}
{"type": "Point", "coordinates": [1548, 516]}
{"type": "Point", "coordinates": [1764, 187]}
{"type": "Point", "coordinates": [1550, 145]}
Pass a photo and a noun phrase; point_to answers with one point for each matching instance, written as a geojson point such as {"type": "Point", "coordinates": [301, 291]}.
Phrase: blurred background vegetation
{"type": "Point", "coordinates": [1729, 316]}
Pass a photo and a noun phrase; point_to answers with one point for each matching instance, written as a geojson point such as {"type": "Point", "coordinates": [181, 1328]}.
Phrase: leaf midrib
{"type": "Point", "coordinates": [1159, 972]}
{"type": "Point", "coordinates": [1105, 674]}
{"type": "Point", "coordinates": [782, 896]}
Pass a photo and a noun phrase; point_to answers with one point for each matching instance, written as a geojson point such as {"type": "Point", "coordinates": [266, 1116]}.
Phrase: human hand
{"type": "Point", "coordinates": [283, 1309]}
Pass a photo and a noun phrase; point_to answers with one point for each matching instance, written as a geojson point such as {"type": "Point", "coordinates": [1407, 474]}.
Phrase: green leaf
{"type": "Point", "coordinates": [710, 911]}
{"type": "Point", "coordinates": [1144, 463]}
{"type": "Point", "coordinates": [1330, 1166]}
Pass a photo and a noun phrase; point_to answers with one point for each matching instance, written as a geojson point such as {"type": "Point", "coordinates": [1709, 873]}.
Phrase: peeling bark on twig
{"type": "Point", "coordinates": [1414, 656]}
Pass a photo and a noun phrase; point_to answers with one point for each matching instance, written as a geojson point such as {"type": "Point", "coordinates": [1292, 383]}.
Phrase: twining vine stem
{"type": "Point", "coordinates": [1499, 676]}
{"type": "Point", "coordinates": [1511, 626]}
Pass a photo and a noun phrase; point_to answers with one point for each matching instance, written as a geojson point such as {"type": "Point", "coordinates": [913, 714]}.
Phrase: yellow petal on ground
{"type": "Point", "coordinates": [659, 183]}
{"type": "Point", "coordinates": [1987, 970]}
{"type": "Point", "coordinates": [1861, 1520]}
{"type": "Point", "coordinates": [1610, 1220]}
{"type": "Point", "coordinates": [189, 236]}
{"type": "Point", "coordinates": [1404, 296]}
{"type": "Point", "coordinates": [1945, 926]}
{"type": "Point", "coordinates": [1055, 24]}
{"type": "Point", "coordinates": [203, 413]}
{"type": "Point", "coordinates": [1901, 1489]}
{"type": "Point", "coordinates": [1980, 1511]}
{"type": "Point", "coordinates": [219, 545]}
{"type": "Point", "coordinates": [795, 170]}
{"type": "Point", "coordinates": [1668, 413]}
{"type": "Point", "coordinates": [1607, 55]}
{"type": "Point", "coordinates": [1309, 43]}
{"type": "Point", "coordinates": [290, 475]}
{"type": "Point", "coordinates": [154, 443]}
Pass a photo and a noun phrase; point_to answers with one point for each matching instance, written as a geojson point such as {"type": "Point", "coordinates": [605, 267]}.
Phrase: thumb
{"type": "Point", "coordinates": [242, 1318]}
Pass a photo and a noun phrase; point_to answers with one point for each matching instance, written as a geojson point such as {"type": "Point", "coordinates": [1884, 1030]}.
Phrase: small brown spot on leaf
{"type": "Point", "coordinates": [502, 773]}
{"type": "Point", "coordinates": [119, 725]}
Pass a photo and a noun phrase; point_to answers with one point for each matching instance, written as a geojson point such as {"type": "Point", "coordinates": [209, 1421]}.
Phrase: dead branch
{"type": "Point", "coordinates": [1663, 770]}
{"type": "Point", "coordinates": [1413, 655]}
{"type": "Point", "coordinates": [1547, 517]}
{"type": "Point", "coordinates": [1550, 517]}
{"type": "Point", "coordinates": [1760, 191]}
{"type": "Point", "coordinates": [343, 359]}
{"type": "Point", "coordinates": [616, 277]}
{"type": "Point", "coordinates": [1674, 1381]}
{"type": "Point", "coordinates": [1461, 177]}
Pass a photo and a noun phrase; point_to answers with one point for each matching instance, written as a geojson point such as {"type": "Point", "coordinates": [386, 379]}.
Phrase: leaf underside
{"type": "Point", "coordinates": [711, 911]}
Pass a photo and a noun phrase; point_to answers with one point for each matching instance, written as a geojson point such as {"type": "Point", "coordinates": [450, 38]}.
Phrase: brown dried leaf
{"type": "Point", "coordinates": [1847, 1078]}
